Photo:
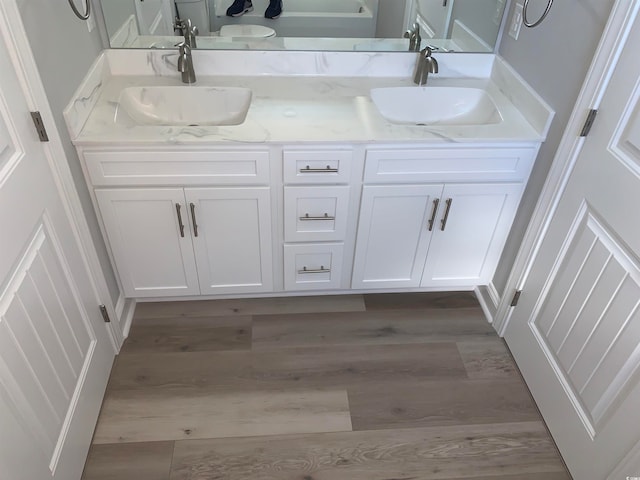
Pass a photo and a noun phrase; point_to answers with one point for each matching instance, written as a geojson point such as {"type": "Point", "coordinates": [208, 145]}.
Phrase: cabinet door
{"type": "Point", "coordinates": [232, 238]}
{"type": "Point", "coordinates": [393, 235]}
{"type": "Point", "coordinates": [153, 254]}
{"type": "Point", "coordinates": [472, 225]}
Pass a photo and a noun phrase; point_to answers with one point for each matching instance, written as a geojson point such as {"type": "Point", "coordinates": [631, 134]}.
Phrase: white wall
{"type": "Point", "coordinates": [553, 58]}
{"type": "Point", "coordinates": [390, 19]}
{"type": "Point", "coordinates": [64, 50]}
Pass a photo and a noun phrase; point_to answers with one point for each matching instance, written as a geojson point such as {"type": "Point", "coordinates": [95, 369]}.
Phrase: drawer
{"type": "Point", "coordinates": [448, 165]}
{"type": "Point", "coordinates": [220, 167]}
{"type": "Point", "coordinates": [317, 166]}
{"type": "Point", "coordinates": [312, 267]}
{"type": "Point", "coordinates": [315, 213]}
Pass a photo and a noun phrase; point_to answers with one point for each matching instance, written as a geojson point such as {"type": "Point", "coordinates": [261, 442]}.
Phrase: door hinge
{"type": "Point", "coordinates": [105, 314]}
{"type": "Point", "coordinates": [37, 121]}
{"type": "Point", "coordinates": [516, 298]}
{"type": "Point", "coordinates": [591, 117]}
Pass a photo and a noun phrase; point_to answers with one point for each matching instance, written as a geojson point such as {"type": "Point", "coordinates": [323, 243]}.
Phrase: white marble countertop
{"type": "Point", "coordinates": [300, 108]}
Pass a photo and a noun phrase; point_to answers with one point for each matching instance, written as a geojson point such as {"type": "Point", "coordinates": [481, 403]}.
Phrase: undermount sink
{"type": "Point", "coordinates": [436, 105]}
{"type": "Point", "coordinates": [185, 105]}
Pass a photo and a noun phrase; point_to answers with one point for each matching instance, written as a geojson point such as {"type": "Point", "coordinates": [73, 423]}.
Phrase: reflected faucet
{"type": "Point", "coordinates": [413, 34]}
{"type": "Point", "coordinates": [425, 65]}
{"type": "Point", "coordinates": [188, 30]}
{"type": "Point", "coordinates": [185, 63]}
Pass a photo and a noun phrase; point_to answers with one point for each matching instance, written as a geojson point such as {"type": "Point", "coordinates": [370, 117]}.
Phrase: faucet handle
{"type": "Point", "coordinates": [426, 53]}
{"type": "Point", "coordinates": [183, 54]}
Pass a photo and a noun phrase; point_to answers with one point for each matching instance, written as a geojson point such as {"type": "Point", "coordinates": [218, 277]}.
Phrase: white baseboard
{"type": "Point", "coordinates": [126, 316]}
{"type": "Point", "coordinates": [489, 300]}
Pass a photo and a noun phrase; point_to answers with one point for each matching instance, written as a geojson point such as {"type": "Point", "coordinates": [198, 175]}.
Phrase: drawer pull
{"type": "Point", "coordinates": [432, 220]}
{"type": "Point", "coordinates": [307, 218]}
{"type": "Point", "coordinates": [443, 222]}
{"type": "Point", "coordinates": [305, 270]}
{"type": "Point", "coordinates": [180, 224]}
{"type": "Point", "coordinates": [193, 218]}
{"type": "Point", "coordinates": [308, 169]}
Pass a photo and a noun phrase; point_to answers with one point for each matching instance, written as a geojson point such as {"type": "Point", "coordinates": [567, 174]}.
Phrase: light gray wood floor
{"type": "Point", "coordinates": [374, 387]}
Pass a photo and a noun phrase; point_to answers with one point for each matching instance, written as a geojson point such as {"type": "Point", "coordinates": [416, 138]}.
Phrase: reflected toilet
{"type": "Point", "coordinates": [247, 31]}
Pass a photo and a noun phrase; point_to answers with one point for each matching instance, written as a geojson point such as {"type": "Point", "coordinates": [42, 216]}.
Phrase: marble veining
{"type": "Point", "coordinates": [86, 96]}
{"type": "Point", "coordinates": [326, 100]}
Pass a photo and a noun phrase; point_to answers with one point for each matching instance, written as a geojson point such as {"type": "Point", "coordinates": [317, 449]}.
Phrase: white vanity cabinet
{"type": "Point", "coordinates": [207, 232]}
{"type": "Point", "coordinates": [186, 222]}
{"type": "Point", "coordinates": [439, 217]}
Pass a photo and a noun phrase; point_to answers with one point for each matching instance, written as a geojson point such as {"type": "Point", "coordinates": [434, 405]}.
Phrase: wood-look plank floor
{"type": "Point", "coordinates": [380, 387]}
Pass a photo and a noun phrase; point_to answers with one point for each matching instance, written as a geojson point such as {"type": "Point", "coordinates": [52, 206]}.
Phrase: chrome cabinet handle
{"type": "Point", "coordinates": [308, 218]}
{"type": "Point", "coordinates": [178, 211]}
{"type": "Point", "coordinates": [308, 169]}
{"type": "Point", "coordinates": [443, 222]}
{"type": "Point", "coordinates": [305, 270]}
{"type": "Point", "coordinates": [432, 220]}
{"type": "Point", "coordinates": [193, 219]}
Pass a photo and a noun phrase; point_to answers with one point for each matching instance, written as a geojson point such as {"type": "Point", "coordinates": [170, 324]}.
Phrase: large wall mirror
{"type": "Point", "coordinates": [339, 25]}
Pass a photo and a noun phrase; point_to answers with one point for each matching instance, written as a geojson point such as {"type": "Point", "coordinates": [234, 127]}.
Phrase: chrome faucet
{"type": "Point", "coordinates": [413, 34]}
{"type": "Point", "coordinates": [425, 65]}
{"type": "Point", "coordinates": [188, 30]}
{"type": "Point", "coordinates": [185, 63]}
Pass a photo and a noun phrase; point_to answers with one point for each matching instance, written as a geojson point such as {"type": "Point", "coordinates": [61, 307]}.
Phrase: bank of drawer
{"type": "Point", "coordinates": [243, 167]}
{"type": "Point", "coordinates": [442, 165]}
{"type": "Point", "coordinates": [317, 166]}
{"type": "Point", "coordinates": [312, 266]}
{"type": "Point", "coordinates": [315, 213]}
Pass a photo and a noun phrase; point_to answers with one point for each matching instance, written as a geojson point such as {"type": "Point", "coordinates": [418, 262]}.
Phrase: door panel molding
{"type": "Point", "coordinates": [625, 143]}
{"type": "Point", "coordinates": [44, 361]}
{"type": "Point", "coordinates": [591, 254]}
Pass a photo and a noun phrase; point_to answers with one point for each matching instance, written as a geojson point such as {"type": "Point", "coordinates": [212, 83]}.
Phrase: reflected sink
{"type": "Point", "coordinates": [436, 105]}
{"type": "Point", "coordinates": [184, 105]}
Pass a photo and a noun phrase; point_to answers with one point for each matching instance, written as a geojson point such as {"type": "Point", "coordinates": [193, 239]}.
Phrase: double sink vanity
{"type": "Point", "coordinates": [286, 172]}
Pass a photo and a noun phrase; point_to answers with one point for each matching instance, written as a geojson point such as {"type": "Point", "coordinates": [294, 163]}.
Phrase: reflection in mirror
{"type": "Point", "coordinates": [324, 25]}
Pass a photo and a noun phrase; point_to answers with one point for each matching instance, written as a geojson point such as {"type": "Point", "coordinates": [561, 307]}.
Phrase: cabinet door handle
{"type": "Point", "coordinates": [178, 211]}
{"type": "Point", "coordinates": [193, 218]}
{"type": "Point", "coordinates": [308, 218]}
{"type": "Point", "coordinates": [305, 270]}
{"type": "Point", "coordinates": [432, 220]}
{"type": "Point", "coordinates": [443, 222]}
{"type": "Point", "coordinates": [308, 169]}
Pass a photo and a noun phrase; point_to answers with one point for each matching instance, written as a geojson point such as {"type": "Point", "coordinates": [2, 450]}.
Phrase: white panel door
{"type": "Point", "coordinates": [395, 227]}
{"type": "Point", "coordinates": [232, 238]}
{"type": "Point", "coordinates": [154, 17]}
{"type": "Point", "coordinates": [55, 350]}
{"type": "Point", "coordinates": [472, 226]}
{"type": "Point", "coordinates": [576, 332]}
{"type": "Point", "coordinates": [434, 16]}
{"type": "Point", "coordinates": [150, 239]}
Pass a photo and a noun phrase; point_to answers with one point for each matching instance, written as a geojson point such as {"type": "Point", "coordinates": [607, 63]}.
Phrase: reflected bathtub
{"type": "Point", "coordinates": [307, 18]}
